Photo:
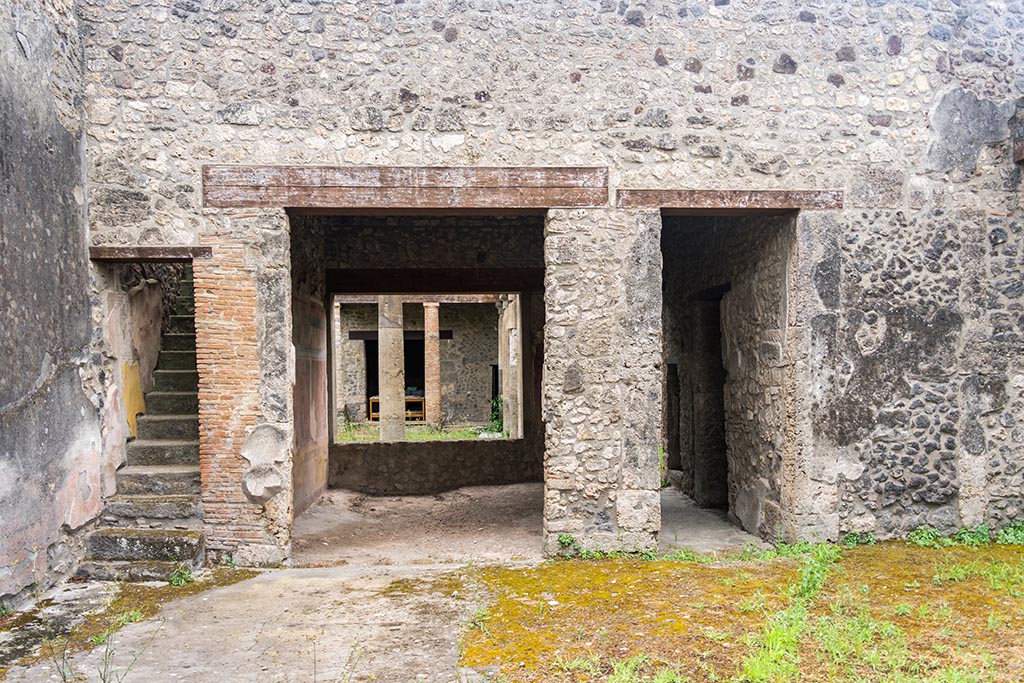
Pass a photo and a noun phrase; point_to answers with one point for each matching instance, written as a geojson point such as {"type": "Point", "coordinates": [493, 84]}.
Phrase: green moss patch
{"type": "Point", "coordinates": [888, 612]}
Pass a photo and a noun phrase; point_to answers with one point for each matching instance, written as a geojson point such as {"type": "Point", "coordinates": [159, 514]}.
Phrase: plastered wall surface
{"type": "Point", "coordinates": [51, 435]}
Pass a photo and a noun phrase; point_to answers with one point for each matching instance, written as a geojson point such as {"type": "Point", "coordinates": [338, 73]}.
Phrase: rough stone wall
{"type": "Point", "coordinates": [751, 256]}
{"type": "Point", "coordinates": [903, 105]}
{"type": "Point", "coordinates": [602, 377]}
{"type": "Point", "coordinates": [426, 467]}
{"type": "Point", "coordinates": [51, 434]}
{"type": "Point", "coordinates": [781, 95]}
{"type": "Point", "coordinates": [466, 360]}
{"type": "Point", "coordinates": [926, 350]}
{"type": "Point", "coordinates": [350, 360]}
{"type": "Point", "coordinates": [309, 339]}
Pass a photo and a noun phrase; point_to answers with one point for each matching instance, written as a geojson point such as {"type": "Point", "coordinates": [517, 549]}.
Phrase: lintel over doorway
{"type": "Point", "coordinates": [404, 187]}
{"type": "Point", "coordinates": [729, 202]}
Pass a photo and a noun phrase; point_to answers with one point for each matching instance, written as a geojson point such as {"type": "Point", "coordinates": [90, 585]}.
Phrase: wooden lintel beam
{"type": "Point", "coordinates": [730, 201]}
{"type": "Point", "coordinates": [414, 335]}
{"type": "Point", "coordinates": [406, 176]}
{"type": "Point", "coordinates": [149, 254]}
{"type": "Point", "coordinates": [422, 298]}
{"type": "Point", "coordinates": [404, 187]}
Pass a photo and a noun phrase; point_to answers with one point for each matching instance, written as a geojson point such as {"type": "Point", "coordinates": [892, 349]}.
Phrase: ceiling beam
{"type": "Point", "coordinates": [434, 280]}
{"type": "Point", "coordinates": [422, 298]}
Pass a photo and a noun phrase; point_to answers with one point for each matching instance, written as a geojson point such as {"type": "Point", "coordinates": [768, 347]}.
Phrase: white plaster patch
{"type": "Point", "coordinates": [265, 449]}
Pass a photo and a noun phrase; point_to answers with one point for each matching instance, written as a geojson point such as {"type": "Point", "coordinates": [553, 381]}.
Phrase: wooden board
{"type": "Point", "coordinates": [149, 254]}
{"type": "Point", "coordinates": [409, 335]}
{"type": "Point", "coordinates": [403, 187]}
{"type": "Point", "coordinates": [422, 298]}
{"type": "Point", "coordinates": [730, 201]}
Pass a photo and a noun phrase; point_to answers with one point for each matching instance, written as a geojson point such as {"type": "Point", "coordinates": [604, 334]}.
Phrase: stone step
{"type": "Point", "coordinates": [173, 427]}
{"type": "Point", "coordinates": [175, 380]}
{"type": "Point", "coordinates": [172, 403]}
{"type": "Point", "coordinates": [158, 480]}
{"type": "Point", "coordinates": [142, 452]}
{"type": "Point", "coordinates": [161, 545]}
{"type": "Point", "coordinates": [153, 507]}
{"type": "Point", "coordinates": [182, 323]}
{"type": "Point", "coordinates": [178, 341]}
{"type": "Point", "coordinates": [176, 360]}
{"type": "Point", "coordinates": [128, 571]}
{"type": "Point", "coordinates": [184, 305]}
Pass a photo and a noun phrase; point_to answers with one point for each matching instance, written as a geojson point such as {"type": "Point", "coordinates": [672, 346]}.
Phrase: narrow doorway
{"type": "Point", "coordinates": [726, 294]}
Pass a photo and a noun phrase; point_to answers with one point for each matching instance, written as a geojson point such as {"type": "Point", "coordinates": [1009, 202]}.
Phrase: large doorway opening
{"type": "Point", "coordinates": [435, 442]}
{"type": "Point", "coordinates": [727, 293]}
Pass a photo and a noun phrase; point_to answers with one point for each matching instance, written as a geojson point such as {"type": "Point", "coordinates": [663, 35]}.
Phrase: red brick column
{"type": "Point", "coordinates": [255, 531]}
{"type": "Point", "coordinates": [432, 361]}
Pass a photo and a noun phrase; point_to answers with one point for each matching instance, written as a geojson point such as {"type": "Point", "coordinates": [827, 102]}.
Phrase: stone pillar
{"type": "Point", "coordinates": [602, 378]}
{"type": "Point", "coordinates": [432, 361]}
{"type": "Point", "coordinates": [391, 367]}
{"type": "Point", "coordinates": [510, 364]}
{"type": "Point", "coordinates": [811, 465]}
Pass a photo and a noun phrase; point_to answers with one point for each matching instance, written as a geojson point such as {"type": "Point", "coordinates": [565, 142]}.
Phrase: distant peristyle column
{"type": "Point", "coordinates": [391, 364]}
{"type": "Point", "coordinates": [432, 361]}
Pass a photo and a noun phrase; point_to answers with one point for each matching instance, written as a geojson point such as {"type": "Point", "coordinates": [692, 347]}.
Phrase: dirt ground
{"type": "Point", "coordinates": [480, 524]}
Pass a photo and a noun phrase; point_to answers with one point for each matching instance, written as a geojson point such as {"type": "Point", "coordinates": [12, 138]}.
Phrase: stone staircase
{"type": "Point", "coordinates": [153, 525]}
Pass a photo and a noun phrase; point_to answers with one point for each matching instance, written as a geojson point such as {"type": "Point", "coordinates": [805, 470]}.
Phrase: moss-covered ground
{"type": "Point", "coordinates": [368, 432]}
{"type": "Point", "coordinates": [890, 612]}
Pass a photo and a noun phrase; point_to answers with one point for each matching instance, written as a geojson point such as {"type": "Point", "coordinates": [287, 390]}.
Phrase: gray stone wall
{"type": "Point", "coordinates": [751, 257]}
{"type": "Point", "coordinates": [350, 361]}
{"type": "Point", "coordinates": [926, 349]}
{"type": "Point", "coordinates": [850, 95]}
{"type": "Point", "coordinates": [466, 360]}
{"type": "Point", "coordinates": [425, 467]}
{"type": "Point", "coordinates": [51, 436]}
{"type": "Point", "coordinates": [905, 106]}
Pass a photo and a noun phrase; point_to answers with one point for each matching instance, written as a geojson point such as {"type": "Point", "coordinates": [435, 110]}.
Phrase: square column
{"type": "Point", "coordinates": [510, 366]}
{"type": "Point", "coordinates": [246, 366]}
{"type": "Point", "coordinates": [602, 378]}
{"type": "Point", "coordinates": [391, 367]}
{"type": "Point", "coordinates": [432, 361]}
